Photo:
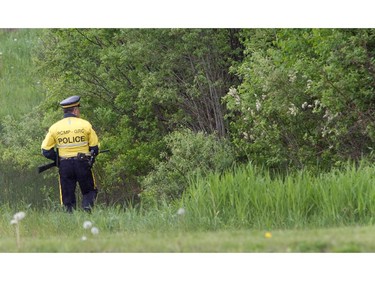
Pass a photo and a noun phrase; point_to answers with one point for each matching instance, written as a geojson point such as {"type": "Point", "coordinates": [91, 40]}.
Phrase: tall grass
{"type": "Point", "coordinates": [26, 187]}
{"type": "Point", "coordinates": [250, 198]}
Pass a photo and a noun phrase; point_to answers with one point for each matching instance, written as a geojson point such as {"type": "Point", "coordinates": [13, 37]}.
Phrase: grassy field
{"type": "Point", "coordinates": [127, 244]}
{"type": "Point", "coordinates": [131, 232]}
{"type": "Point", "coordinates": [20, 87]}
{"type": "Point", "coordinates": [333, 240]}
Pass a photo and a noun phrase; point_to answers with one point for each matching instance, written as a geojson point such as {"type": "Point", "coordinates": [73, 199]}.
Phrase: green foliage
{"type": "Point", "coordinates": [306, 98]}
{"type": "Point", "coordinates": [137, 86]}
{"type": "Point", "coordinates": [292, 99]}
{"type": "Point", "coordinates": [191, 155]}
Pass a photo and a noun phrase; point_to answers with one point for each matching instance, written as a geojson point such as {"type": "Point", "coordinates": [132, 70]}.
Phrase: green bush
{"type": "Point", "coordinates": [191, 154]}
{"type": "Point", "coordinates": [306, 97]}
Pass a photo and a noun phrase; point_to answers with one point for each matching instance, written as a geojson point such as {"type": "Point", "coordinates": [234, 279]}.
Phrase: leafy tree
{"type": "Point", "coordinates": [138, 85]}
{"type": "Point", "coordinates": [307, 97]}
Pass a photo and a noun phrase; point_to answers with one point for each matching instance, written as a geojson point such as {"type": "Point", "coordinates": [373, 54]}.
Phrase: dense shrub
{"type": "Point", "coordinates": [191, 154]}
{"type": "Point", "coordinates": [306, 97]}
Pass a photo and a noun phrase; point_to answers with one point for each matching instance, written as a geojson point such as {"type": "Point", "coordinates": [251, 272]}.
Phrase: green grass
{"type": "Point", "coordinates": [164, 232]}
{"type": "Point", "coordinates": [20, 87]}
{"type": "Point", "coordinates": [249, 197]}
{"type": "Point", "coordinates": [328, 212]}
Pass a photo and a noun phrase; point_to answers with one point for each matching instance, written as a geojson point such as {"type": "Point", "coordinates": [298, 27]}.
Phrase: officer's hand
{"type": "Point", "coordinates": [91, 161]}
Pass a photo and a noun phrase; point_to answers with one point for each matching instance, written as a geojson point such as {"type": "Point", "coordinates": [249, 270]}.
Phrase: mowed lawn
{"type": "Point", "coordinates": [225, 255]}
{"type": "Point", "coordinates": [332, 240]}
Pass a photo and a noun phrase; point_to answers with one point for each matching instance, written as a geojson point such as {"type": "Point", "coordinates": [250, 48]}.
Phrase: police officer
{"type": "Point", "coordinates": [74, 139]}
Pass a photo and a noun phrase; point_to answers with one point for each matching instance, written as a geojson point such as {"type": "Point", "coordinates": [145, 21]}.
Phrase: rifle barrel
{"type": "Point", "coordinates": [42, 168]}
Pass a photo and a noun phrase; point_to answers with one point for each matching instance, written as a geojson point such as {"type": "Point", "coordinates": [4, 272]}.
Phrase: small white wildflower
{"type": "Point", "coordinates": [252, 113]}
{"type": "Point", "coordinates": [87, 224]}
{"type": "Point", "coordinates": [304, 105]}
{"type": "Point", "coordinates": [292, 109]}
{"type": "Point", "coordinates": [83, 238]}
{"type": "Point", "coordinates": [309, 82]}
{"type": "Point", "coordinates": [19, 216]}
{"type": "Point", "coordinates": [233, 93]}
{"type": "Point", "coordinates": [258, 105]}
{"type": "Point", "coordinates": [13, 221]}
{"type": "Point", "coordinates": [293, 76]}
{"type": "Point", "coordinates": [95, 230]}
{"type": "Point", "coordinates": [181, 212]}
{"type": "Point", "coordinates": [15, 39]}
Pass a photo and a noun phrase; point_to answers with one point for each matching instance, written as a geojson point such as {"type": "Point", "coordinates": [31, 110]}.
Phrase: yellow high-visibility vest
{"type": "Point", "coordinates": [70, 135]}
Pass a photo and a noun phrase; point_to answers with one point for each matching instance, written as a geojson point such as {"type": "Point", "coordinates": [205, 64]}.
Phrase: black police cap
{"type": "Point", "coordinates": [72, 101]}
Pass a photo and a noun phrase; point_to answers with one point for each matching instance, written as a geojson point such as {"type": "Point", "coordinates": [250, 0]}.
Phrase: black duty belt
{"type": "Point", "coordinates": [68, 158]}
{"type": "Point", "coordinates": [80, 156]}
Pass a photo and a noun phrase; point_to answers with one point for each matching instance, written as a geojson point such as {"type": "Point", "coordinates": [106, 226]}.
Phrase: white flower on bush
{"type": "Point", "coordinates": [258, 105]}
{"type": "Point", "coordinates": [87, 224]}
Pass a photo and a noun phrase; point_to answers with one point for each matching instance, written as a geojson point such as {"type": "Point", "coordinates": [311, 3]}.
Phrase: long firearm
{"type": "Point", "coordinates": [45, 167]}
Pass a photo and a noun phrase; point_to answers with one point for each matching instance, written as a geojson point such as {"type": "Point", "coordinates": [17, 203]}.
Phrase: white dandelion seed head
{"type": "Point", "coordinates": [95, 230]}
{"type": "Point", "coordinates": [19, 216]}
{"type": "Point", "coordinates": [181, 211]}
{"type": "Point", "coordinates": [87, 224]}
{"type": "Point", "coordinates": [83, 238]}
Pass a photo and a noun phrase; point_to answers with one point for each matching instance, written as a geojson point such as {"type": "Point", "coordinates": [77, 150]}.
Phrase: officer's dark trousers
{"type": "Point", "coordinates": [72, 171]}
